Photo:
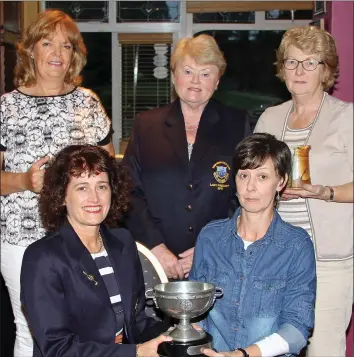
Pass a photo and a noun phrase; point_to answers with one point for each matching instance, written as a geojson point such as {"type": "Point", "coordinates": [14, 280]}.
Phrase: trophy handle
{"type": "Point", "coordinates": [152, 296]}
{"type": "Point", "coordinates": [219, 292]}
{"type": "Point", "coordinates": [147, 293]}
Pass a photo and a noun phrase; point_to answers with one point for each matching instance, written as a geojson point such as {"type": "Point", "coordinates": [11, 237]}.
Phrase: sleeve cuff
{"type": "Point", "coordinates": [273, 345]}
{"type": "Point", "coordinates": [293, 337]}
{"type": "Point", "coordinates": [108, 138]}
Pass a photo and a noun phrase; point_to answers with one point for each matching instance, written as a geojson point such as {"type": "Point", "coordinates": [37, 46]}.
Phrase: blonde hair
{"type": "Point", "coordinates": [310, 40]}
{"type": "Point", "coordinates": [202, 48]}
{"type": "Point", "coordinates": [45, 26]}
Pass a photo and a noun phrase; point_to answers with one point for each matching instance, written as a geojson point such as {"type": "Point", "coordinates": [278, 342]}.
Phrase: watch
{"type": "Point", "coordinates": [331, 194]}
{"type": "Point", "coordinates": [245, 354]}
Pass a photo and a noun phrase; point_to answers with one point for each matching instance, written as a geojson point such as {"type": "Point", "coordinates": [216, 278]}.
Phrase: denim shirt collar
{"type": "Point", "coordinates": [270, 235]}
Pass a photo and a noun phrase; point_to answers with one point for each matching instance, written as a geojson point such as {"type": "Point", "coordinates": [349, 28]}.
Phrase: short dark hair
{"type": "Point", "coordinates": [255, 149]}
{"type": "Point", "coordinates": [72, 161]}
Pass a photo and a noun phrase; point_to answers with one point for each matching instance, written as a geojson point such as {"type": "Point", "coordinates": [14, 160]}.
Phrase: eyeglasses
{"type": "Point", "coordinates": [308, 65]}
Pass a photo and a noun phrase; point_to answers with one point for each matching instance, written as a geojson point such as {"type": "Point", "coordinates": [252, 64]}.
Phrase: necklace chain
{"type": "Point", "coordinates": [101, 243]}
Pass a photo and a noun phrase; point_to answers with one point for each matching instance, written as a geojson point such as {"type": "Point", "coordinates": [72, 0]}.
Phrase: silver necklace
{"type": "Point", "coordinates": [100, 243]}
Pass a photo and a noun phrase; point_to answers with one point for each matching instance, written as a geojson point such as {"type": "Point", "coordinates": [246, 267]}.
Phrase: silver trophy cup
{"type": "Point", "coordinates": [184, 300]}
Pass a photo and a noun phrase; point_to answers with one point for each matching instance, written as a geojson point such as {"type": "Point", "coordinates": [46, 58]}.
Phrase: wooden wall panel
{"type": "Point", "coordinates": [243, 6]}
{"type": "Point", "coordinates": [145, 38]}
{"type": "Point", "coordinates": [29, 13]}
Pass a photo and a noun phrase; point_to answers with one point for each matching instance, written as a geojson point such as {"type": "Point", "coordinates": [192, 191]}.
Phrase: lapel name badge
{"type": "Point", "coordinates": [91, 278]}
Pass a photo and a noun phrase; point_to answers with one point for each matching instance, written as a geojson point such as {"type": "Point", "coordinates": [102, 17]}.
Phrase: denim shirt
{"type": "Point", "coordinates": [268, 288]}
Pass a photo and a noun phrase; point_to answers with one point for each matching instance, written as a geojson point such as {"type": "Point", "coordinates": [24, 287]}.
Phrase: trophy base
{"type": "Point", "coordinates": [185, 349]}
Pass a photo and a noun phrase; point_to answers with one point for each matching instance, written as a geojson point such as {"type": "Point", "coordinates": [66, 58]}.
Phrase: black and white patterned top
{"type": "Point", "coordinates": [33, 127]}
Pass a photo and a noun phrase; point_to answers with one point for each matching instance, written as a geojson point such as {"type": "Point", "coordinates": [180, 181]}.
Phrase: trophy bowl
{"type": "Point", "coordinates": [184, 300]}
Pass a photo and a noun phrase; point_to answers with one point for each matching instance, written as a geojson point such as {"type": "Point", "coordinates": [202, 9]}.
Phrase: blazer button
{"type": "Point", "coordinates": [190, 187]}
{"type": "Point", "coordinates": [189, 208]}
{"type": "Point", "coordinates": [190, 229]}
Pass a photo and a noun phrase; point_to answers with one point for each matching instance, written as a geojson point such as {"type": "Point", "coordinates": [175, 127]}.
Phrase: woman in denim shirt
{"type": "Point", "coordinates": [265, 266]}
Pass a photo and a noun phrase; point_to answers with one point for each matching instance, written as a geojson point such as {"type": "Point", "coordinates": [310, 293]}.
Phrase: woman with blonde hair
{"type": "Point", "coordinates": [307, 62]}
{"type": "Point", "coordinates": [46, 112]}
{"type": "Point", "coordinates": [180, 158]}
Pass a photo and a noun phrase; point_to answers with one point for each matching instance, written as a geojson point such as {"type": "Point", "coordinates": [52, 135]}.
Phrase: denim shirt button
{"type": "Point", "coordinates": [242, 277]}
{"type": "Point", "coordinates": [235, 329]}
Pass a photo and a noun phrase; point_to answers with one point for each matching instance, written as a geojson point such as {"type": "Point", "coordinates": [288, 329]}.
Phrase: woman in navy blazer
{"type": "Point", "coordinates": [82, 286]}
{"type": "Point", "coordinates": [180, 158]}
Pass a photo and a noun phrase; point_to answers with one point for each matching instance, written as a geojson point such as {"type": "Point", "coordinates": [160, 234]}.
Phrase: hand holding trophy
{"type": "Point", "coordinates": [300, 173]}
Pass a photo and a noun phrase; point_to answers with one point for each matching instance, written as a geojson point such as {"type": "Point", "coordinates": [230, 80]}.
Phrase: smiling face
{"type": "Point", "coordinates": [257, 187]}
{"type": "Point", "coordinates": [52, 56]}
{"type": "Point", "coordinates": [88, 199]}
{"type": "Point", "coordinates": [195, 83]}
{"type": "Point", "coordinates": [299, 81]}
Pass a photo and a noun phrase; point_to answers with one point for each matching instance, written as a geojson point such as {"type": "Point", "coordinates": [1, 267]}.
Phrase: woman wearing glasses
{"type": "Point", "coordinates": [307, 62]}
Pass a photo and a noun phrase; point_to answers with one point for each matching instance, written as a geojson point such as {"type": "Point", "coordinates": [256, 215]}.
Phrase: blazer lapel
{"type": "Point", "coordinates": [84, 264]}
{"type": "Point", "coordinates": [207, 132]}
{"type": "Point", "coordinates": [175, 132]}
{"type": "Point", "coordinates": [92, 277]}
{"type": "Point", "coordinates": [206, 136]}
{"type": "Point", "coordinates": [122, 269]}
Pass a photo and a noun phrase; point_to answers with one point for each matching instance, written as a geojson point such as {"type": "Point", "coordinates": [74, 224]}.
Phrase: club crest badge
{"type": "Point", "coordinates": [221, 173]}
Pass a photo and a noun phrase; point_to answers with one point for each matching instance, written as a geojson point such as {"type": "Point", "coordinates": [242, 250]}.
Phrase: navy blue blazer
{"type": "Point", "coordinates": [71, 315]}
{"type": "Point", "coordinates": [174, 197]}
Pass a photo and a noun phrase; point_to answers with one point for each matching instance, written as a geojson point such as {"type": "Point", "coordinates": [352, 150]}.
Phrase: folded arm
{"type": "Point", "coordinates": [31, 180]}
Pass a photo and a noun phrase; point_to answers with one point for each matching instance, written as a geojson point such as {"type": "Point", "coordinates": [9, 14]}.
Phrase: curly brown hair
{"type": "Point", "coordinates": [72, 161]}
{"type": "Point", "coordinates": [44, 27]}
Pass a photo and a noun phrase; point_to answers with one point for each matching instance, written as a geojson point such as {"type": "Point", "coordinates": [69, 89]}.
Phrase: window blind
{"type": "Point", "coordinates": [146, 79]}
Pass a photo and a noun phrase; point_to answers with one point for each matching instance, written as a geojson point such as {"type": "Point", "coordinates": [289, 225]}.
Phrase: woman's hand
{"type": "Point", "coordinates": [34, 176]}
{"type": "Point", "coordinates": [149, 349]}
{"type": "Point", "coordinates": [186, 260]}
{"type": "Point", "coordinates": [169, 261]}
{"type": "Point", "coordinates": [307, 191]}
